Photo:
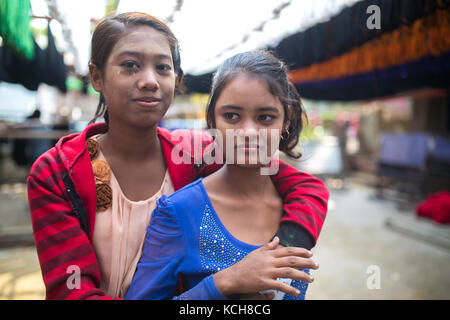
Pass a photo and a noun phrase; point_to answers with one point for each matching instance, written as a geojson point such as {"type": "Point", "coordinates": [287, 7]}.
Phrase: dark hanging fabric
{"type": "Point", "coordinates": [427, 36]}
{"type": "Point", "coordinates": [200, 83]}
{"type": "Point", "coordinates": [348, 30]}
{"type": "Point", "coordinates": [56, 70]}
{"type": "Point", "coordinates": [3, 73]}
{"type": "Point", "coordinates": [17, 70]}
{"type": "Point", "coordinates": [47, 66]}
{"type": "Point", "coordinates": [429, 72]}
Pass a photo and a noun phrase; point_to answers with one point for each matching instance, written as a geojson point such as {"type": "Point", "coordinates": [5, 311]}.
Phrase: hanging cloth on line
{"type": "Point", "coordinates": [47, 66]}
{"type": "Point", "coordinates": [15, 27]}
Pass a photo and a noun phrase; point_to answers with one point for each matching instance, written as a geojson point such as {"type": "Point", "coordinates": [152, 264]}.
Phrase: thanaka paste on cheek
{"type": "Point", "coordinates": [118, 71]}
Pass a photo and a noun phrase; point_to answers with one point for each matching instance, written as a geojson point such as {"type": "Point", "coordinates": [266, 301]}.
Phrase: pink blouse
{"type": "Point", "coordinates": [119, 235]}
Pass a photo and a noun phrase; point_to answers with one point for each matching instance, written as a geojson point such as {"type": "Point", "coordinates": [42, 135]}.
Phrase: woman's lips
{"type": "Point", "coordinates": [148, 103]}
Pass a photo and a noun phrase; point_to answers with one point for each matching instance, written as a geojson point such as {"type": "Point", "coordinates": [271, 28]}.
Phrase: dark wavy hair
{"type": "Point", "coordinates": [265, 66]}
{"type": "Point", "coordinates": [111, 29]}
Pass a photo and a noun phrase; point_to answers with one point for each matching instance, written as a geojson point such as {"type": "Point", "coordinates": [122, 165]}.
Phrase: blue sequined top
{"type": "Point", "coordinates": [185, 236]}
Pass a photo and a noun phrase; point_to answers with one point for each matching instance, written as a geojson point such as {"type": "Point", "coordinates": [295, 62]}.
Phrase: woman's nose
{"type": "Point", "coordinates": [248, 132]}
{"type": "Point", "coordinates": [148, 80]}
{"type": "Point", "coordinates": [249, 127]}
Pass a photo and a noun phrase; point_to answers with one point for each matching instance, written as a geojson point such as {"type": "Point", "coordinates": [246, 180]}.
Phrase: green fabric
{"type": "Point", "coordinates": [73, 83]}
{"type": "Point", "coordinates": [91, 91]}
{"type": "Point", "coordinates": [15, 27]}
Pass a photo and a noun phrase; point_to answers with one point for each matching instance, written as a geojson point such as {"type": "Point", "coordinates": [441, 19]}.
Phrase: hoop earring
{"type": "Point", "coordinates": [288, 133]}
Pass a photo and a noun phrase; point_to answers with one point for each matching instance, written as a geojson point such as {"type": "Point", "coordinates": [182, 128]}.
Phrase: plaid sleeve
{"type": "Point", "coordinates": [305, 199]}
{"type": "Point", "coordinates": [68, 262]}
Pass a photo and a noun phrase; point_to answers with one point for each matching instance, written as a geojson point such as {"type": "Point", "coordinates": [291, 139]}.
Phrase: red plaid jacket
{"type": "Point", "coordinates": [62, 199]}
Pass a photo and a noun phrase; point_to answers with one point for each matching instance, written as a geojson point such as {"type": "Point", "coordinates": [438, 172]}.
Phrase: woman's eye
{"type": "Point", "coordinates": [130, 65]}
{"type": "Point", "coordinates": [164, 67]}
{"type": "Point", "coordinates": [266, 117]}
{"type": "Point", "coordinates": [230, 116]}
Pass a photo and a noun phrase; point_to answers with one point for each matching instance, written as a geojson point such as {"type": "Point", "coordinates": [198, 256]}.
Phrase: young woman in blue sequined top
{"type": "Point", "coordinates": [203, 230]}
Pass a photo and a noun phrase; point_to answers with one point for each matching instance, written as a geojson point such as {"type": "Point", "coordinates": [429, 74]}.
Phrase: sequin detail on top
{"type": "Point", "coordinates": [216, 250]}
{"type": "Point", "coordinates": [300, 285]}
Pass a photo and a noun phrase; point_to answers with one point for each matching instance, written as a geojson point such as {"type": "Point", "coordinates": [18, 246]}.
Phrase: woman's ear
{"type": "Point", "coordinates": [96, 77]}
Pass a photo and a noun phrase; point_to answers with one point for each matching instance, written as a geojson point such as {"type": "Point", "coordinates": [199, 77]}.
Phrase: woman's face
{"type": "Point", "coordinates": [247, 107]}
{"type": "Point", "coordinates": [138, 80]}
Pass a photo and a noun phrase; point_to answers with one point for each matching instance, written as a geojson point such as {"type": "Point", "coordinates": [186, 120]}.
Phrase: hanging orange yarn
{"type": "Point", "coordinates": [426, 36]}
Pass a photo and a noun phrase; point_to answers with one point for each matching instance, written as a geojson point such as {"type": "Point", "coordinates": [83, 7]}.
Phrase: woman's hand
{"type": "Point", "coordinates": [259, 270]}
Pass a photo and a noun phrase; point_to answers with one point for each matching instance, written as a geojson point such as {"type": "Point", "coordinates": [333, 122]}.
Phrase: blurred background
{"type": "Point", "coordinates": [374, 78]}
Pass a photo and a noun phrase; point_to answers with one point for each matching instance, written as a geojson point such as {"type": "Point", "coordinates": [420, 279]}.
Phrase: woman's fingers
{"type": "Point", "coordinates": [292, 251]}
{"type": "Point", "coordinates": [293, 274]}
{"type": "Point", "coordinates": [296, 262]}
{"type": "Point", "coordinates": [280, 286]}
{"type": "Point", "coordinates": [272, 244]}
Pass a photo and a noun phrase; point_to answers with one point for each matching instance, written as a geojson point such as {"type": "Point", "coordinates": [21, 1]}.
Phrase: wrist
{"type": "Point", "coordinates": [224, 282]}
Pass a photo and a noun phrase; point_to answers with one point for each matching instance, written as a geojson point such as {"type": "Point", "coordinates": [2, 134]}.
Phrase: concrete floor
{"type": "Point", "coordinates": [355, 243]}
{"type": "Point", "coordinates": [20, 275]}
